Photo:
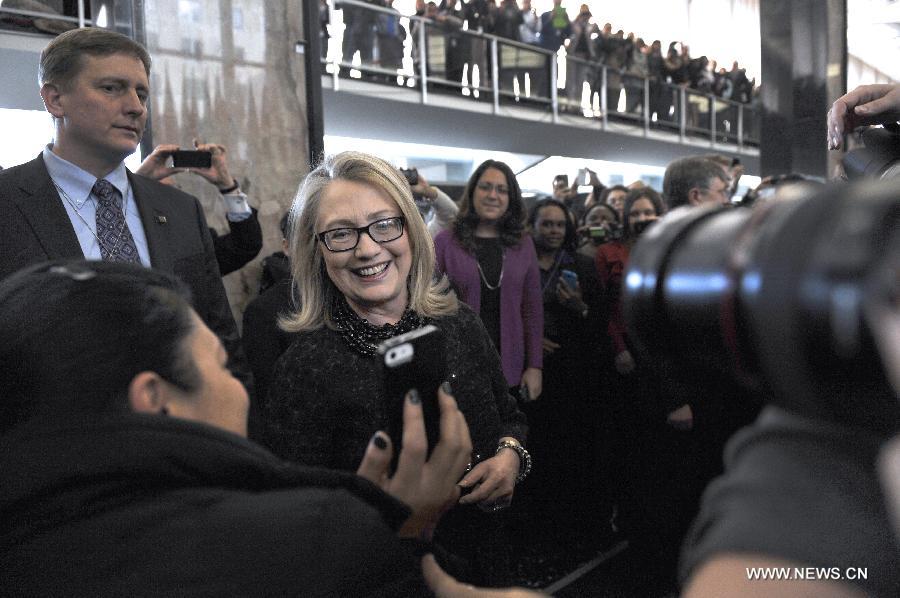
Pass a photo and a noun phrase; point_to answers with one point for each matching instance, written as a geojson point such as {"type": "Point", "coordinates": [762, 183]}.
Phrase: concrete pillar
{"type": "Point", "coordinates": [804, 65]}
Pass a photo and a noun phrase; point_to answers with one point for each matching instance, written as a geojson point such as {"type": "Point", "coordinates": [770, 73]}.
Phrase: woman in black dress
{"type": "Point", "coordinates": [365, 261]}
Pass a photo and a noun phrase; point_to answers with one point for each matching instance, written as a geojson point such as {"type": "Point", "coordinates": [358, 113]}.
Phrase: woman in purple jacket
{"type": "Point", "coordinates": [493, 267]}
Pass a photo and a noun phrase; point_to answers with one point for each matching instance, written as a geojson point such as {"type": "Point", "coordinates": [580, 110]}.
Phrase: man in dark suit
{"type": "Point", "coordinates": [77, 199]}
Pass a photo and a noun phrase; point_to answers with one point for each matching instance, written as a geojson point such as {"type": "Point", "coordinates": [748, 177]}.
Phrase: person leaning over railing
{"type": "Point", "coordinates": [580, 45]}
{"type": "Point", "coordinates": [530, 28]}
{"type": "Point", "coordinates": [638, 70]}
{"type": "Point", "coordinates": [390, 35]}
{"type": "Point", "coordinates": [456, 44]}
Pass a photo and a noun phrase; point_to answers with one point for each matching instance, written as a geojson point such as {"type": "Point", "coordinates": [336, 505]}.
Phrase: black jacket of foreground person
{"type": "Point", "coordinates": [140, 505]}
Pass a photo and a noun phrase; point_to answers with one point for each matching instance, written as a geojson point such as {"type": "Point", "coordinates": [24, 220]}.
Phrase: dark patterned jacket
{"type": "Point", "coordinates": [326, 400]}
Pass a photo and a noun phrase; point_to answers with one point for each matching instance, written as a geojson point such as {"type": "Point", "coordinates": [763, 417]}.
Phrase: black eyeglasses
{"type": "Point", "coordinates": [345, 239]}
{"type": "Point", "coordinates": [488, 187]}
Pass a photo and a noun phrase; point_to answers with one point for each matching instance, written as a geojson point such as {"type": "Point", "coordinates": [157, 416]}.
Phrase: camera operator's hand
{"type": "Point", "coordinates": [445, 586]}
{"type": "Point", "coordinates": [624, 363]}
{"type": "Point", "coordinates": [428, 487]}
{"type": "Point", "coordinates": [423, 189]}
{"type": "Point", "coordinates": [865, 105]}
{"type": "Point", "coordinates": [155, 165]}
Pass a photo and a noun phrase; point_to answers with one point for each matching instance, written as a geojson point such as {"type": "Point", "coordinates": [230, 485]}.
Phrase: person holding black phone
{"type": "Point", "coordinates": [565, 431]}
{"type": "Point", "coordinates": [244, 240]}
{"type": "Point", "coordinates": [436, 207]}
{"type": "Point", "coordinates": [367, 262]}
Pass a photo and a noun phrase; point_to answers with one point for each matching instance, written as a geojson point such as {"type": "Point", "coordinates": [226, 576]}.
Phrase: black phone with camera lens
{"type": "Point", "coordinates": [411, 175]}
{"type": "Point", "coordinates": [416, 359]}
{"type": "Point", "coordinates": [191, 159]}
{"type": "Point", "coordinates": [570, 278]}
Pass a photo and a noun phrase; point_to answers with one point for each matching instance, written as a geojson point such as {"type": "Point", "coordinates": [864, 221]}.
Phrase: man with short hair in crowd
{"type": "Point", "coordinates": [77, 199]}
{"type": "Point", "coordinates": [695, 181]}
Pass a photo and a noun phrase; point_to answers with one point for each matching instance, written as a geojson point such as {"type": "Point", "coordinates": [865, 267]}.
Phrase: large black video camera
{"type": "Point", "coordinates": [878, 158]}
{"type": "Point", "coordinates": [798, 298]}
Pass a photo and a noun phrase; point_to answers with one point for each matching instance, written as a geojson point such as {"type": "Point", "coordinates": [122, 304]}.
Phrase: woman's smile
{"type": "Point", "coordinates": [372, 273]}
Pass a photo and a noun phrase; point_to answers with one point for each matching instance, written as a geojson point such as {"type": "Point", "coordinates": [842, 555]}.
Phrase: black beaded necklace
{"type": "Point", "coordinates": [364, 337]}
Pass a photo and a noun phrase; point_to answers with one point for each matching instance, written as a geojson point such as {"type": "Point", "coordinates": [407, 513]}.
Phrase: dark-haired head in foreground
{"type": "Point", "coordinates": [97, 338]}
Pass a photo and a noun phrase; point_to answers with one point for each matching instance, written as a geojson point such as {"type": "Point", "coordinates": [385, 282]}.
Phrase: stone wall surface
{"type": "Point", "coordinates": [226, 71]}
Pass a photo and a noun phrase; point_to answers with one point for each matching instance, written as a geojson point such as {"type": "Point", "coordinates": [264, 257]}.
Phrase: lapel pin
{"type": "Point", "coordinates": [161, 219]}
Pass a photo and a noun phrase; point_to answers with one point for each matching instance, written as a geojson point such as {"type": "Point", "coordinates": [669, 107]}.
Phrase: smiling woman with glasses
{"type": "Point", "coordinates": [363, 264]}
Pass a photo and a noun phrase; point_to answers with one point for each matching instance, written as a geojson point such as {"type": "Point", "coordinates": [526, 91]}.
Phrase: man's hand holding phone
{"type": "Point", "coordinates": [217, 172]}
{"type": "Point", "coordinates": [156, 165]}
{"type": "Point", "coordinates": [426, 484]}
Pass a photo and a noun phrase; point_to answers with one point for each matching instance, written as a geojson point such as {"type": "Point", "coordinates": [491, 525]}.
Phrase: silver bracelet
{"type": "Point", "coordinates": [524, 458]}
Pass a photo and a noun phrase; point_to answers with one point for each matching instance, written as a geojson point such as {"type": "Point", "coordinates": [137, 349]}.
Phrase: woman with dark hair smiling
{"type": "Point", "coordinates": [492, 265]}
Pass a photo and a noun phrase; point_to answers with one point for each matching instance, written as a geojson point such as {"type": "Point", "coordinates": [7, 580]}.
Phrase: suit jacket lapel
{"type": "Point", "coordinates": [154, 217]}
{"type": "Point", "coordinates": [41, 206]}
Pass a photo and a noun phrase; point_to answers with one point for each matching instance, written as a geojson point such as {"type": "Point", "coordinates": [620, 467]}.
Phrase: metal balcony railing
{"type": "Point", "coordinates": [442, 58]}
{"type": "Point", "coordinates": [49, 15]}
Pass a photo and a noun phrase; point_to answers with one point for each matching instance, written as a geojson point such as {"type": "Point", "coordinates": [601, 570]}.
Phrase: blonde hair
{"type": "Point", "coordinates": [317, 293]}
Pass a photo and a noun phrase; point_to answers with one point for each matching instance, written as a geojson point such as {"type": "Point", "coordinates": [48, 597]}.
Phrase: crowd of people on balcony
{"type": "Point", "coordinates": [628, 59]}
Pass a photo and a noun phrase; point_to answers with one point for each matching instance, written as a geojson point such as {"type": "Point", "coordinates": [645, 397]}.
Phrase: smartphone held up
{"type": "Point", "coordinates": [414, 360]}
{"type": "Point", "coordinates": [411, 175]}
{"type": "Point", "coordinates": [570, 278]}
{"type": "Point", "coordinates": [191, 159]}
